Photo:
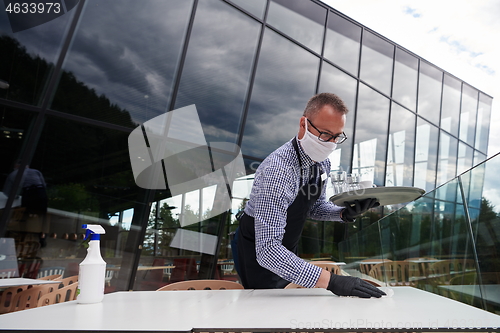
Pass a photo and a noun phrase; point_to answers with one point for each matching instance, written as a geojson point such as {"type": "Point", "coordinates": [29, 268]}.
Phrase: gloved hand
{"type": "Point", "coordinates": [355, 208]}
{"type": "Point", "coordinates": [352, 286]}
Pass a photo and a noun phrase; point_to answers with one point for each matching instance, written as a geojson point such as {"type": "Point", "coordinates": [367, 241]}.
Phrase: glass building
{"type": "Point", "coordinates": [74, 88]}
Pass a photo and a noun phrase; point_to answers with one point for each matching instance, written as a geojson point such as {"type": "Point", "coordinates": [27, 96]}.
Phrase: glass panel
{"type": "Point", "coordinates": [376, 62]}
{"type": "Point", "coordinates": [15, 128]}
{"type": "Point", "coordinates": [108, 64]}
{"type": "Point", "coordinates": [97, 189]}
{"type": "Point", "coordinates": [426, 155]}
{"type": "Point", "coordinates": [486, 228]}
{"type": "Point", "coordinates": [217, 68]}
{"type": "Point", "coordinates": [284, 82]}
{"type": "Point", "coordinates": [255, 7]}
{"type": "Point", "coordinates": [304, 21]}
{"type": "Point", "coordinates": [468, 114]}
{"type": "Point", "coordinates": [335, 81]}
{"type": "Point", "coordinates": [428, 244]}
{"type": "Point", "coordinates": [28, 56]}
{"type": "Point", "coordinates": [465, 155]}
{"type": "Point", "coordinates": [429, 92]}
{"type": "Point", "coordinates": [401, 148]}
{"type": "Point", "coordinates": [450, 113]}
{"type": "Point", "coordinates": [478, 157]}
{"type": "Point", "coordinates": [447, 166]}
{"type": "Point", "coordinates": [404, 89]}
{"type": "Point", "coordinates": [371, 135]}
{"type": "Point", "coordinates": [342, 43]}
{"type": "Point", "coordinates": [476, 186]}
{"type": "Point", "coordinates": [483, 123]}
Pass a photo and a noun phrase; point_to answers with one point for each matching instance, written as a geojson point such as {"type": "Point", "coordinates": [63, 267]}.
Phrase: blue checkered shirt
{"type": "Point", "coordinates": [276, 185]}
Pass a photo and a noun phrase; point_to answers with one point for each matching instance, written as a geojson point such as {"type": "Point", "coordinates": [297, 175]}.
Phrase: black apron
{"type": "Point", "coordinates": [253, 275]}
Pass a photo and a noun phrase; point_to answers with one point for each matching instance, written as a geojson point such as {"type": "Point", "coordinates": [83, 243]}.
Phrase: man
{"type": "Point", "coordinates": [289, 186]}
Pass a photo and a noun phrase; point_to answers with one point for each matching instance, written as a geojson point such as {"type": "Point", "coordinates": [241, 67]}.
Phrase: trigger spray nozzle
{"type": "Point", "coordinates": [93, 231]}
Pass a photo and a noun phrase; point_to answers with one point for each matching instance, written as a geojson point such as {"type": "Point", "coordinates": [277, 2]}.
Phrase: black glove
{"type": "Point", "coordinates": [352, 286]}
{"type": "Point", "coordinates": [355, 208]}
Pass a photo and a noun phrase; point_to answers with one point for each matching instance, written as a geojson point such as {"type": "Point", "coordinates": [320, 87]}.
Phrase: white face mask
{"type": "Point", "coordinates": [317, 150]}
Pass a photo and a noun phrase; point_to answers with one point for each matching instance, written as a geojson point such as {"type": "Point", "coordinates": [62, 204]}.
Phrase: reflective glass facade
{"type": "Point", "coordinates": [81, 83]}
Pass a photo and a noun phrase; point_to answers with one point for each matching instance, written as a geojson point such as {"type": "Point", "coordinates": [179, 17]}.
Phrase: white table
{"type": "Point", "coordinates": [284, 310]}
{"type": "Point", "coordinates": [11, 282]}
{"type": "Point", "coordinates": [491, 291]}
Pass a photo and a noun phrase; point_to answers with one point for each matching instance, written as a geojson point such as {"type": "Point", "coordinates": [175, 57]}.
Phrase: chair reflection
{"type": "Point", "coordinates": [396, 273]}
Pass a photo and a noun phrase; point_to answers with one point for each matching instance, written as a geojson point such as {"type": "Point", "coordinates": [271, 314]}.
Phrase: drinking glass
{"type": "Point", "coordinates": [338, 179]}
{"type": "Point", "coordinates": [353, 181]}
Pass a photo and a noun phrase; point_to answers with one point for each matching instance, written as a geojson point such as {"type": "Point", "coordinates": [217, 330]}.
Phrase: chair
{"type": "Point", "coordinates": [366, 265]}
{"type": "Point", "coordinates": [8, 273]}
{"type": "Point", "coordinates": [67, 281]}
{"type": "Point", "coordinates": [27, 249]}
{"type": "Point", "coordinates": [202, 285]}
{"type": "Point", "coordinates": [396, 273]}
{"type": "Point", "coordinates": [53, 277]}
{"type": "Point", "coordinates": [442, 271]}
{"type": "Point", "coordinates": [67, 293]}
{"type": "Point", "coordinates": [7, 297]}
{"type": "Point", "coordinates": [28, 299]}
{"type": "Point", "coordinates": [50, 271]}
{"type": "Point", "coordinates": [109, 276]}
{"type": "Point", "coordinates": [424, 264]}
{"type": "Point", "coordinates": [327, 265]}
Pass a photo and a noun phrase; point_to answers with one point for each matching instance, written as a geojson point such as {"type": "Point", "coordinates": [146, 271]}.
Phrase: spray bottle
{"type": "Point", "coordinates": [92, 268]}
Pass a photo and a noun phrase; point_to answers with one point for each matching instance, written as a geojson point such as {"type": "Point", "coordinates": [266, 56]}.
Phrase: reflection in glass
{"type": "Point", "coordinates": [401, 147]}
{"type": "Point", "coordinates": [130, 67]}
{"type": "Point", "coordinates": [476, 185]}
{"type": "Point", "coordinates": [468, 114]}
{"type": "Point", "coordinates": [426, 155]}
{"type": "Point", "coordinates": [335, 81]}
{"type": "Point", "coordinates": [371, 135]}
{"type": "Point", "coordinates": [304, 21]}
{"type": "Point", "coordinates": [483, 123]}
{"type": "Point", "coordinates": [99, 188]}
{"type": "Point", "coordinates": [404, 88]}
{"type": "Point", "coordinates": [342, 43]}
{"type": "Point", "coordinates": [217, 68]}
{"type": "Point", "coordinates": [254, 7]}
{"type": "Point", "coordinates": [15, 129]}
{"type": "Point", "coordinates": [478, 157]}
{"type": "Point", "coordinates": [465, 155]}
{"type": "Point", "coordinates": [376, 62]}
{"type": "Point", "coordinates": [450, 113]}
{"type": "Point", "coordinates": [284, 82]}
{"type": "Point", "coordinates": [429, 92]}
{"type": "Point", "coordinates": [447, 166]}
{"type": "Point", "coordinates": [27, 57]}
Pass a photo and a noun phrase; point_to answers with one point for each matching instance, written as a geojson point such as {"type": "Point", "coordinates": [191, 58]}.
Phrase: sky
{"type": "Point", "coordinates": [459, 36]}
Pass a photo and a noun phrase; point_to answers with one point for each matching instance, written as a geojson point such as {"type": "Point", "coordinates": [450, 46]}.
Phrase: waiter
{"type": "Point", "coordinates": [289, 186]}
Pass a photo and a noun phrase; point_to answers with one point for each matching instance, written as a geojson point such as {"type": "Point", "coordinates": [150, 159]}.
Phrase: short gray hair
{"type": "Point", "coordinates": [316, 102]}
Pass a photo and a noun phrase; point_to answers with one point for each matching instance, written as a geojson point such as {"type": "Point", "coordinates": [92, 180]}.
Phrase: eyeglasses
{"type": "Point", "coordinates": [326, 137]}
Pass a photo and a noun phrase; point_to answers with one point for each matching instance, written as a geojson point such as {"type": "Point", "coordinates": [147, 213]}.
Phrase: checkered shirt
{"type": "Point", "coordinates": [276, 185]}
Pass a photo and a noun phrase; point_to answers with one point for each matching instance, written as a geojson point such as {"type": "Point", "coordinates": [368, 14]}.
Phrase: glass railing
{"type": "Point", "coordinates": [446, 242]}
